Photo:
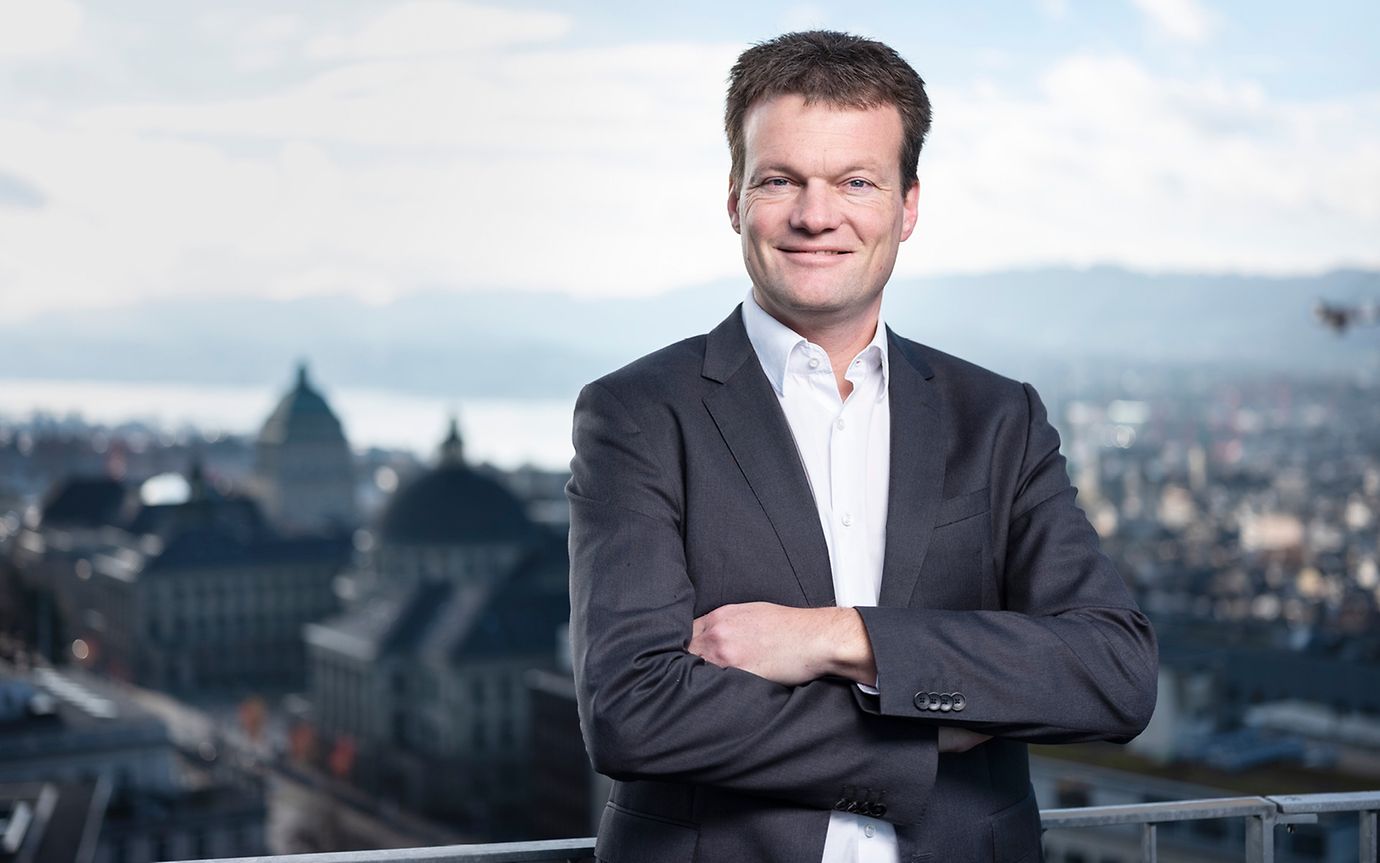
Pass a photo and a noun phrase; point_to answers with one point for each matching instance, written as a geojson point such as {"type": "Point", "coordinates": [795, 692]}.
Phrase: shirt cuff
{"type": "Point", "coordinates": [870, 690]}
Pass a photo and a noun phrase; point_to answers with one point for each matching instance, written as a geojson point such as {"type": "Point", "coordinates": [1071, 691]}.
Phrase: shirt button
{"type": "Point", "coordinates": [839, 424]}
{"type": "Point", "coordinates": [814, 362]}
{"type": "Point", "coordinates": [847, 519]}
{"type": "Point", "coordinates": [869, 831]}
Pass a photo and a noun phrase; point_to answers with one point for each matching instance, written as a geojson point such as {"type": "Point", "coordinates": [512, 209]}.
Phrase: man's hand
{"type": "Point", "coordinates": [787, 645]}
{"type": "Point", "coordinates": [792, 646]}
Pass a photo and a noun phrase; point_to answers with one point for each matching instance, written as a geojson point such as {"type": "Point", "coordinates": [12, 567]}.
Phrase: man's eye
{"type": "Point", "coordinates": [776, 183]}
{"type": "Point", "coordinates": [858, 183]}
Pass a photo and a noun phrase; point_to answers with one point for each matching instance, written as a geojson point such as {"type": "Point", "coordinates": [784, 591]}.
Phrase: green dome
{"type": "Point", "coordinates": [302, 417]}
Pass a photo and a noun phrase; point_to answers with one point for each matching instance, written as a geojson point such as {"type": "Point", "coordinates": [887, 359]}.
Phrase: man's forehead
{"type": "Point", "coordinates": [776, 128]}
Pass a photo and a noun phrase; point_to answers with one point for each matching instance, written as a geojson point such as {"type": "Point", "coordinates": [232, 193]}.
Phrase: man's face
{"type": "Point", "coordinates": [820, 207]}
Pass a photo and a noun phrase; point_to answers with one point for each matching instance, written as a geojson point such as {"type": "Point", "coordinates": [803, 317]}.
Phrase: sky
{"type": "Point", "coordinates": [157, 148]}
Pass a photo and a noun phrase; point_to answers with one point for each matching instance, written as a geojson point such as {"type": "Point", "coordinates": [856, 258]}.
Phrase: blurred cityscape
{"type": "Point", "coordinates": [223, 646]}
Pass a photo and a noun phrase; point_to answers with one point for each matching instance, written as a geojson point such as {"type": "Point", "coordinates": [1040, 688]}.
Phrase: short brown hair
{"type": "Point", "coordinates": [834, 68]}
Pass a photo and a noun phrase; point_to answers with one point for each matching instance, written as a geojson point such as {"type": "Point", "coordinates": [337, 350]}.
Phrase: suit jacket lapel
{"type": "Point", "coordinates": [916, 486]}
{"type": "Point", "coordinates": [749, 417]}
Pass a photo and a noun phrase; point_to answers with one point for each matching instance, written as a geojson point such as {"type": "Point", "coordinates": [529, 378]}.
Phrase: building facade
{"type": "Point", "coordinates": [424, 675]}
{"type": "Point", "coordinates": [195, 597]}
{"type": "Point", "coordinates": [305, 475]}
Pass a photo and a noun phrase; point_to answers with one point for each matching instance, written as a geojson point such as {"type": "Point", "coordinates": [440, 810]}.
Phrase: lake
{"type": "Point", "coordinates": [505, 432]}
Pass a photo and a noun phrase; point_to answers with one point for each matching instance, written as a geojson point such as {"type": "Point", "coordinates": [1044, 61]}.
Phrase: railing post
{"type": "Point", "coordinates": [1260, 839]}
{"type": "Point", "coordinates": [1369, 843]}
{"type": "Point", "coordinates": [1149, 853]}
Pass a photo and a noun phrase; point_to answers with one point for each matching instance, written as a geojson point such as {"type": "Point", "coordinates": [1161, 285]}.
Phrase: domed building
{"type": "Point", "coordinates": [304, 469]}
{"type": "Point", "coordinates": [423, 679]}
{"type": "Point", "coordinates": [451, 523]}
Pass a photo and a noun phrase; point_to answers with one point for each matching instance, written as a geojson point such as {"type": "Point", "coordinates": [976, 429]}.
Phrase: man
{"type": "Point", "coordinates": [826, 582]}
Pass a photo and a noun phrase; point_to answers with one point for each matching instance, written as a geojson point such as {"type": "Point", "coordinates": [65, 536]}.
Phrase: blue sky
{"type": "Point", "coordinates": [156, 149]}
{"type": "Point", "coordinates": [1291, 48]}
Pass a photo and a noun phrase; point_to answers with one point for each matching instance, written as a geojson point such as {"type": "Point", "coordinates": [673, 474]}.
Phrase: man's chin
{"type": "Point", "coordinates": [807, 301]}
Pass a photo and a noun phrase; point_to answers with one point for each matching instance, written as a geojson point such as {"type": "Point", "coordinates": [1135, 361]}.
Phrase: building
{"type": "Point", "coordinates": [422, 679]}
{"type": "Point", "coordinates": [568, 797]}
{"type": "Point", "coordinates": [89, 776]}
{"type": "Point", "coordinates": [303, 466]}
{"type": "Point", "coordinates": [51, 822]}
{"type": "Point", "coordinates": [196, 597]}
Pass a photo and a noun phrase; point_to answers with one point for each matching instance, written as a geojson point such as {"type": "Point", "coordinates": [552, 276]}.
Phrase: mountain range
{"type": "Point", "coordinates": [547, 344]}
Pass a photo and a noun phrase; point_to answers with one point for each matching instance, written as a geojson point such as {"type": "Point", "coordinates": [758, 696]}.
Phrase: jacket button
{"type": "Point", "coordinates": [878, 810]}
{"type": "Point", "coordinates": [934, 701]}
{"type": "Point", "coordinates": [845, 798]}
{"type": "Point", "coordinates": [959, 702]}
{"type": "Point", "coordinates": [946, 702]}
{"type": "Point", "coordinates": [922, 701]}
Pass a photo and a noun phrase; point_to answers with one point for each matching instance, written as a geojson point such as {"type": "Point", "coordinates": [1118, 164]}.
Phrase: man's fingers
{"type": "Point", "coordinates": [700, 644]}
{"type": "Point", "coordinates": [771, 641]}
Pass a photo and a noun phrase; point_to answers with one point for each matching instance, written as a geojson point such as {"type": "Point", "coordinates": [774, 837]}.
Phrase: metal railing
{"type": "Point", "coordinates": [1262, 816]}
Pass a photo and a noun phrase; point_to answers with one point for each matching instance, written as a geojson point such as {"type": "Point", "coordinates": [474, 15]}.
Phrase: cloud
{"type": "Point", "coordinates": [39, 29]}
{"type": "Point", "coordinates": [528, 160]}
{"type": "Point", "coordinates": [1183, 20]}
{"type": "Point", "coordinates": [591, 170]}
{"type": "Point", "coordinates": [16, 192]}
{"type": "Point", "coordinates": [1108, 162]}
{"type": "Point", "coordinates": [435, 27]}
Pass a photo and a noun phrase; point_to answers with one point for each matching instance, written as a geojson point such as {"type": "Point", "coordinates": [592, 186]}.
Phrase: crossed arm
{"type": "Point", "coordinates": [652, 709]}
{"type": "Point", "coordinates": [755, 697]}
{"type": "Point", "coordinates": [794, 646]}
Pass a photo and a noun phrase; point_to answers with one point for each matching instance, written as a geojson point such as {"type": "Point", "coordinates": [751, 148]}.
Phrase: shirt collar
{"type": "Point", "coordinates": [774, 342]}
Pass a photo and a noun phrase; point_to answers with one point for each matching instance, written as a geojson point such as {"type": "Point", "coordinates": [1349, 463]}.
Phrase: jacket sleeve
{"type": "Point", "coordinates": [649, 709]}
{"type": "Point", "coordinates": [1068, 658]}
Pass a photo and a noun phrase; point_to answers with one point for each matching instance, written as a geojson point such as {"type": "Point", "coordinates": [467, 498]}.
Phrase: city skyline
{"type": "Point", "coordinates": [1242, 511]}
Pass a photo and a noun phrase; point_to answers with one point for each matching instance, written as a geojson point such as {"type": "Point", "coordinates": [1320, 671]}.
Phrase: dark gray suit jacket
{"type": "Point", "coordinates": [997, 612]}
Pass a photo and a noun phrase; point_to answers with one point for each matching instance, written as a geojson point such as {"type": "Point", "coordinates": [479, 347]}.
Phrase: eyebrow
{"type": "Point", "coordinates": [773, 168]}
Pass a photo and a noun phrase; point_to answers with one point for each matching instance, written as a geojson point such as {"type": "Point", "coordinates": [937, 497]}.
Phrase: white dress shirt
{"type": "Point", "coordinates": [845, 445]}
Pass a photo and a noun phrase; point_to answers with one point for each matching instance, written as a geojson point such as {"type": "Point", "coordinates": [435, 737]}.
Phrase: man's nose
{"type": "Point", "coordinates": [816, 208]}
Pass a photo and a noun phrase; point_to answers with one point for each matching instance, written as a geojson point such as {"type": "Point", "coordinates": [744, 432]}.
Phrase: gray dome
{"type": "Point", "coordinates": [452, 504]}
{"type": "Point", "coordinates": [302, 417]}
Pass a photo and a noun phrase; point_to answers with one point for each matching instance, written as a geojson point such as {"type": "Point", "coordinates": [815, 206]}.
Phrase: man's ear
{"type": "Point", "coordinates": [910, 208]}
{"type": "Point", "coordinates": [733, 217]}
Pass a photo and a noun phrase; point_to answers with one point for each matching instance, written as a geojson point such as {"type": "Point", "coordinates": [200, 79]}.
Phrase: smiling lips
{"type": "Point", "coordinates": [815, 258]}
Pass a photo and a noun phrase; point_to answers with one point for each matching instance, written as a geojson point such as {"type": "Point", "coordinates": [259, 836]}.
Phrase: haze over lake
{"type": "Point", "coordinates": [508, 433]}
